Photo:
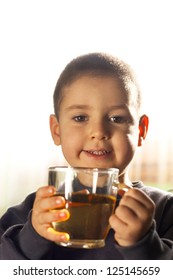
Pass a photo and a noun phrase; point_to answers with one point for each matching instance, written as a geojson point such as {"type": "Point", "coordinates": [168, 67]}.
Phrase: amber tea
{"type": "Point", "coordinates": [89, 219]}
{"type": "Point", "coordinates": [90, 195]}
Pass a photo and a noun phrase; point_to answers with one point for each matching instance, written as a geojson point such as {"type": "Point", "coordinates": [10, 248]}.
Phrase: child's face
{"type": "Point", "coordinates": [98, 126]}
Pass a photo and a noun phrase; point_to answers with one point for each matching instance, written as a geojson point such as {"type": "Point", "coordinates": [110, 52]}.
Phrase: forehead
{"type": "Point", "coordinates": [87, 88]}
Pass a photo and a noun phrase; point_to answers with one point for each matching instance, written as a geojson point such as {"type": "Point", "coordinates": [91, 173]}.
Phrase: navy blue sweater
{"type": "Point", "coordinates": [19, 240]}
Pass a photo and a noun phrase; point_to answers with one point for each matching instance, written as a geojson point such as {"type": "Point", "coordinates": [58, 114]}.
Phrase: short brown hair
{"type": "Point", "coordinates": [97, 64]}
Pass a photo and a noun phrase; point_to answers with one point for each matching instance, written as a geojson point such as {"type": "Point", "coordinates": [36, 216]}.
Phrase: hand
{"type": "Point", "coordinates": [42, 216]}
{"type": "Point", "coordinates": [133, 217]}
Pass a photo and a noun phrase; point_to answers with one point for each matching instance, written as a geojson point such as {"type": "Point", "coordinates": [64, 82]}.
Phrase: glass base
{"type": "Point", "coordinates": [85, 244]}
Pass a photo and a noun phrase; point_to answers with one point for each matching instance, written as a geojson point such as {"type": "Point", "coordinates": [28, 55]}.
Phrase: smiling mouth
{"type": "Point", "coordinates": [98, 152]}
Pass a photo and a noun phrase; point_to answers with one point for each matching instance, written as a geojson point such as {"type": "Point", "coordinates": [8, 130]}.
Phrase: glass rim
{"type": "Point", "coordinates": [90, 169]}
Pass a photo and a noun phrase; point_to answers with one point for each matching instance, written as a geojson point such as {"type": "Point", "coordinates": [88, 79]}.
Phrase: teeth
{"type": "Point", "coordinates": [98, 153]}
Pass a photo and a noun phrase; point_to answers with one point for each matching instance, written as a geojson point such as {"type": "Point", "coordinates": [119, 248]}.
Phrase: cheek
{"type": "Point", "coordinates": [68, 151]}
{"type": "Point", "coordinates": [70, 143]}
{"type": "Point", "coordinates": [69, 135]}
{"type": "Point", "coordinates": [126, 147]}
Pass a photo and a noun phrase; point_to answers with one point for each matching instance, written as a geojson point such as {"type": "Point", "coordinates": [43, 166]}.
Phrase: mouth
{"type": "Point", "coordinates": [98, 153]}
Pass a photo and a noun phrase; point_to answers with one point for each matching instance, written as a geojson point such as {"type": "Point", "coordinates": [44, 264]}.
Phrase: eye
{"type": "Point", "coordinates": [80, 118]}
{"type": "Point", "coordinates": [118, 119]}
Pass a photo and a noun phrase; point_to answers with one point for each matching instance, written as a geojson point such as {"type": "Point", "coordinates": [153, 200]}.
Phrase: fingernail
{"type": "Point", "coordinates": [64, 214]}
{"type": "Point", "coordinates": [50, 190]}
{"type": "Point", "coordinates": [58, 201]}
{"type": "Point", "coordinates": [65, 237]}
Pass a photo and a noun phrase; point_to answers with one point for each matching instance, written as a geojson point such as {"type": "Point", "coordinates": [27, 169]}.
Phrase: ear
{"type": "Point", "coordinates": [143, 128]}
{"type": "Point", "coordinates": [54, 128]}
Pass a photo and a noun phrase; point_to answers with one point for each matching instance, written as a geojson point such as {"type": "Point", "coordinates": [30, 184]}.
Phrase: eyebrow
{"type": "Point", "coordinates": [83, 106]}
{"type": "Point", "coordinates": [78, 106]}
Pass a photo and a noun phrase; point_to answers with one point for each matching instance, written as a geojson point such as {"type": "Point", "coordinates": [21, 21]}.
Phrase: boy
{"type": "Point", "coordinates": [98, 123]}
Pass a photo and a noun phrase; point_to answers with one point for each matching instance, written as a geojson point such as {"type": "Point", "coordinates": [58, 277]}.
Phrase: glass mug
{"type": "Point", "coordinates": [90, 195]}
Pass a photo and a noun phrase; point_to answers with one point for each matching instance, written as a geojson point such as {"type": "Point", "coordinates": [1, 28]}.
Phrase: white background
{"type": "Point", "coordinates": [37, 39]}
{"type": "Point", "coordinates": [119, 270]}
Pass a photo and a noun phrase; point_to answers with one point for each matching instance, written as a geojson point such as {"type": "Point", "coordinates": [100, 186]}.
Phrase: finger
{"type": "Point", "coordinates": [130, 208]}
{"type": "Point", "coordinates": [53, 216]}
{"type": "Point", "coordinates": [45, 192]}
{"type": "Point", "coordinates": [56, 236]}
{"type": "Point", "coordinates": [49, 203]}
{"type": "Point", "coordinates": [126, 214]}
{"type": "Point", "coordinates": [128, 231]}
{"type": "Point", "coordinates": [117, 225]}
{"type": "Point", "coordinates": [140, 197]}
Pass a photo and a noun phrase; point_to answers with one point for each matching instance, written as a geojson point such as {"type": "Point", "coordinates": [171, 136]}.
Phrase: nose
{"type": "Point", "coordinates": [100, 131]}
